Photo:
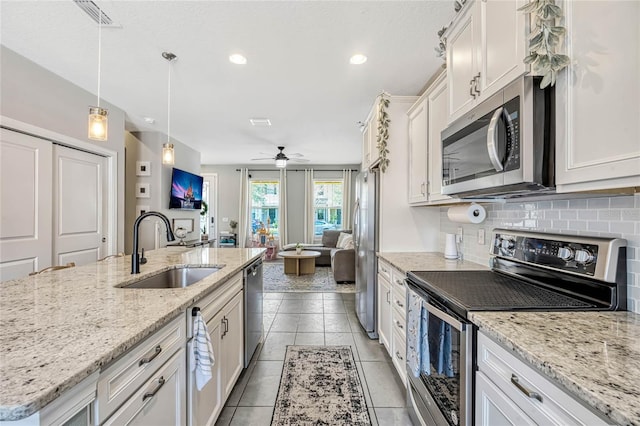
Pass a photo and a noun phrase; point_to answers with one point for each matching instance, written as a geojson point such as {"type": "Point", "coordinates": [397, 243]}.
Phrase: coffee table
{"type": "Point", "coordinates": [299, 264]}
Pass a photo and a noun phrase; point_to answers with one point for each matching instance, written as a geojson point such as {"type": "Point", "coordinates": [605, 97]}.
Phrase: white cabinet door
{"type": "Point", "coordinates": [206, 403]}
{"type": "Point", "coordinates": [25, 197]}
{"type": "Point", "coordinates": [494, 408]}
{"type": "Point", "coordinates": [418, 117]}
{"type": "Point", "coordinates": [384, 312]}
{"type": "Point", "coordinates": [80, 192]}
{"type": "Point", "coordinates": [462, 62]}
{"type": "Point", "coordinates": [160, 401]}
{"type": "Point", "coordinates": [366, 157]}
{"type": "Point", "coordinates": [437, 122]}
{"type": "Point", "coordinates": [598, 98]}
{"type": "Point", "coordinates": [232, 344]}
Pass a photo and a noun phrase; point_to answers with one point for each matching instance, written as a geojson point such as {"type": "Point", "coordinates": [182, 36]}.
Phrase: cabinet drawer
{"type": "Point", "coordinates": [160, 400]}
{"type": "Point", "coordinates": [121, 379]}
{"type": "Point", "coordinates": [384, 269]}
{"type": "Point", "coordinates": [399, 356]}
{"type": "Point", "coordinates": [552, 405]}
{"type": "Point", "coordinates": [211, 304]}
{"type": "Point", "coordinates": [398, 322]}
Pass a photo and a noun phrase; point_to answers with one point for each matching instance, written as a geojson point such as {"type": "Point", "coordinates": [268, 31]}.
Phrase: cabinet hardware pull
{"type": "Point", "coordinates": [399, 324]}
{"type": "Point", "coordinates": [155, 391]}
{"type": "Point", "coordinates": [477, 83]}
{"type": "Point", "coordinates": [399, 304]}
{"type": "Point", "coordinates": [226, 325]}
{"type": "Point", "coordinates": [399, 356]}
{"type": "Point", "coordinates": [471, 92]}
{"type": "Point", "coordinates": [400, 282]}
{"type": "Point", "coordinates": [150, 358]}
{"type": "Point", "coordinates": [527, 392]}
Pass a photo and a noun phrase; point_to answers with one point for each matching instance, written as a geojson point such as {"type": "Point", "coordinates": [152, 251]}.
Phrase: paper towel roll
{"type": "Point", "coordinates": [468, 213]}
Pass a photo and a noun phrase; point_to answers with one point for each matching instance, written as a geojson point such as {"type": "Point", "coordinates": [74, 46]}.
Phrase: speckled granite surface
{"type": "Point", "coordinates": [59, 327]}
{"type": "Point", "coordinates": [594, 355]}
{"type": "Point", "coordinates": [427, 261]}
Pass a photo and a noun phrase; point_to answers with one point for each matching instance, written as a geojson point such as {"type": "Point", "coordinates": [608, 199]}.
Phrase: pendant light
{"type": "Point", "coordinates": [98, 126]}
{"type": "Point", "coordinates": [168, 154]}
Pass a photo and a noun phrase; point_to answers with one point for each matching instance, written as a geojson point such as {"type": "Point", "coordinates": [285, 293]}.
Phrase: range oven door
{"type": "Point", "coordinates": [443, 393]}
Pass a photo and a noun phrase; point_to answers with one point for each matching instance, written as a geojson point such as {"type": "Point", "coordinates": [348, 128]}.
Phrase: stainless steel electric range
{"type": "Point", "coordinates": [529, 271]}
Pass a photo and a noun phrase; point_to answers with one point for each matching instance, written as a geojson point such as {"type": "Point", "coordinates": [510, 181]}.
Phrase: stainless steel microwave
{"type": "Point", "coordinates": [504, 147]}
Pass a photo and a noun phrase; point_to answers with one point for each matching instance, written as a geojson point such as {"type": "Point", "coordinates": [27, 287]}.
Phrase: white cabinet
{"type": "Point", "coordinates": [384, 312]}
{"type": "Point", "coordinates": [598, 98]}
{"type": "Point", "coordinates": [508, 391]}
{"type": "Point", "coordinates": [418, 153]}
{"type": "Point", "coordinates": [486, 45]}
{"type": "Point", "coordinates": [370, 153]}
{"type": "Point", "coordinates": [223, 312]}
{"type": "Point", "coordinates": [161, 400]}
{"type": "Point", "coordinates": [366, 145]}
{"type": "Point", "coordinates": [438, 104]}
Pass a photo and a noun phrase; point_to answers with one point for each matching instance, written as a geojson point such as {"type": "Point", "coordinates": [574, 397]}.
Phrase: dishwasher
{"type": "Point", "coordinates": [252, 275]}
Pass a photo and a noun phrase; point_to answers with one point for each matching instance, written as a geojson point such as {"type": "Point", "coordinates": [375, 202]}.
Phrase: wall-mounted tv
{"type": "Point", "coordinates": [186, 190]}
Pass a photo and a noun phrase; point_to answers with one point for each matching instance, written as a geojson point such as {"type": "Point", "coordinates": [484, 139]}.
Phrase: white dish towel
{"type": "Point", "coordinates": [202, 358]}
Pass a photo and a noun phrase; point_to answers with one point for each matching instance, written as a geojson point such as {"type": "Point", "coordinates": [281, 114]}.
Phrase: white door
{"type": "Point", "coordinates": [25, 204]}
{"type": "Point", "coordinates": [79, 219]}
{"type": "Point", "coordinates": [211, 197]}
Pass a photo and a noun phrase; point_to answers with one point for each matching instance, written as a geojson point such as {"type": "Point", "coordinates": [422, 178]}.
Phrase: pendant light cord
{"type": "Point", "coordinates": [169, 106]}
{"type": "Point", "coordinates": [99, 50]}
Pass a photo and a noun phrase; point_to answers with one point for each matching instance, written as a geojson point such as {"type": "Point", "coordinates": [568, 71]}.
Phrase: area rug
{"type": "Point", "coordinates": [275, 280]}
{"type": "Point", "coordinates": [320, 386]}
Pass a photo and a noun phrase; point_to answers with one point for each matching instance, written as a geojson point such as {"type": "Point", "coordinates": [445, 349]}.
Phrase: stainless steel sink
{"type": "Point", "coordinates": [174, 278]}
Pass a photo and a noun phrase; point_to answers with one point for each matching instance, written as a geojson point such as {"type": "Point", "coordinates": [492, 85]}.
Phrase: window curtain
{"type": "Point", "coordinates": [243, 220]}
{"type": "Point", "coordinates": [347, 199]}
{"type": "Point", "coordinates": [282, 223]}
{"type": "Point", "coordinates": [309, 214]}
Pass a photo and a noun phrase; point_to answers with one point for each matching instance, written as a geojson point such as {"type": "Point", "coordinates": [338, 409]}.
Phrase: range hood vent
{"type": "Point", "coordinates": [95, 13]}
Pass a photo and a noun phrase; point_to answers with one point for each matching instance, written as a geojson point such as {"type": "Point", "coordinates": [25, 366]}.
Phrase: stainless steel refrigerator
{"type": "Point", "coordinates": [365, 230]}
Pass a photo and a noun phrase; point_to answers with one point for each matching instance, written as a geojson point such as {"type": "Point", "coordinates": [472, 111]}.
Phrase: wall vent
{"type": "Point", "coordinates": [94, 12]}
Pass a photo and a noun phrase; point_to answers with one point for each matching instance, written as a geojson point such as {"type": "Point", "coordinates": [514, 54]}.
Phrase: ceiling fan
{"type": "Point", "coordinates": [281, 158]}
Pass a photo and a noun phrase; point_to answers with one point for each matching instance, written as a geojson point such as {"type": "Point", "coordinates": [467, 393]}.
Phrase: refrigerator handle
{"type": "Point", "coordinates": [356, 231]}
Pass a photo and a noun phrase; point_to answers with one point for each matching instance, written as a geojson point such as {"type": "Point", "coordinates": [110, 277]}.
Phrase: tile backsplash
{"type": "Point", "coordinates": [604, 216]}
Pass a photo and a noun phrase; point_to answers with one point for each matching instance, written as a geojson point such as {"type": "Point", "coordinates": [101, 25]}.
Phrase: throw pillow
{"type": "Point", "coordinates": [341, 238]}
{"type": "Point", "coordinates": [348, 244]}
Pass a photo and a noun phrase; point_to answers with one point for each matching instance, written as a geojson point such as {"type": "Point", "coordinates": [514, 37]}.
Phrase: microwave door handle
{"type": "Point", "coordinates": [492, 140]}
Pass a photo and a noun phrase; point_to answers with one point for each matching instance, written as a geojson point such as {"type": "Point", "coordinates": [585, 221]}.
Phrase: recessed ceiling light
{"type": "Point", "coordinates": [149, 120]}
{"type": "Point", "coordinates": [260, 122]}
{"type": "Point", "coordinates": [238, 59]}
{"type": "Point", "coordinates": [358, 59]}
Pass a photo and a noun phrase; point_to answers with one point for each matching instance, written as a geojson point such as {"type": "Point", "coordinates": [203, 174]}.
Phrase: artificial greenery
{"type": "Point", "coordinates": [544, 39]}
{"type": "Point", "coordinates": [383, 132]}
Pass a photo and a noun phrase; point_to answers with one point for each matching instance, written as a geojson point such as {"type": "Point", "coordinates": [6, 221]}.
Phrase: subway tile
{"type": "Point", "coordinates": [559, 225]}
{"type": "Point", "coordinates": [560, 204]}
{"type": "Point", "coordinates": [552, 214]}
{"type": "Point", "coordinates": [598, 203]}
{"type": "Point", "coordinates": [598, 226]}
{"type": "Point", "coordinates": [578, 204]}
{"type": "Point", "coordinates": [587, 215]}
{"type": "Point", "coordinates": [609, 215]}
{"type": "Point", "coordinates": [622, 202]}
{"type": "Point", "coordinates": [577, 225]}
{"type": "Point", "coordinates": [622, 227]}
{"type": "Point", "coordinates": [631, 214]}
{"type": "Point", "coordinates": [568, 214]}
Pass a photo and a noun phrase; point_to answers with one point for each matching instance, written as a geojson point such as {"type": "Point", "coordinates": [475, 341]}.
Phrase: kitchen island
{"type": "Point", "coordinates": [58, 328]}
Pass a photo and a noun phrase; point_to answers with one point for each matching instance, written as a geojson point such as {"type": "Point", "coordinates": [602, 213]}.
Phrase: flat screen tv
{"type": "Point", "coordinates": [186, 190]}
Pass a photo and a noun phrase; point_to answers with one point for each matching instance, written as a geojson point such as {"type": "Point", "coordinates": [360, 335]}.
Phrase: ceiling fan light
{"type": "Point", "coordinates": [168, 155]}
{"type": "Point", "coordinates": [98, 128]}
{"type": "Point", "coordinates": [281, 163]}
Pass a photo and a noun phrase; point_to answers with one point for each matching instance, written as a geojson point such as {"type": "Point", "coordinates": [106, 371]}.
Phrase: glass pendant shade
{"type": "Point", "coordinates": [168, 156]}
{"type": "Point", "coordinates": [98, 129]}
{"type": "Point", "coordinates": [281, 163]}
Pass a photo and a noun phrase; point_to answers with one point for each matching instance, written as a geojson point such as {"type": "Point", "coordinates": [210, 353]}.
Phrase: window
{"type": "Point", "coordinates": [265, 202]}
{"type": "Point", "coordinates": [327, 197]}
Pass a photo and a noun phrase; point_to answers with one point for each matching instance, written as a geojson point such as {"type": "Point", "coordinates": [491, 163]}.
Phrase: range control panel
{"type": "Point", "coordinates": [562, 254]}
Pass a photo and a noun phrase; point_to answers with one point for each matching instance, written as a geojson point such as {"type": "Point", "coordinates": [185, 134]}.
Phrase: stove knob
{"type": "Point", "coordinates": [584, 256]}
{"type": "Point", "coordinates": [565, 253]}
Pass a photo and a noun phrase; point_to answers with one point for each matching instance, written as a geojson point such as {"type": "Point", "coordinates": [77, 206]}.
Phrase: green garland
{"type": "Point", "coordinates": [383, 132]}
{"type": "Point", "coordinates": [544, 39]}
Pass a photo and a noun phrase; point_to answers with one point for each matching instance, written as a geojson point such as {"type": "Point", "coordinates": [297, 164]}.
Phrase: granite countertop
{"type": "Point", "coordinates": [428, 261]}
{"type": "Point", "coordinates": [59, 327]}
{"type": "Point", "coordinates": [594, 355]}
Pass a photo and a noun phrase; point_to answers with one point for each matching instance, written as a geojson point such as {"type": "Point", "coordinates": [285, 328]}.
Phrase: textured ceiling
{"type": "Point", "coordinates": [298, 73]}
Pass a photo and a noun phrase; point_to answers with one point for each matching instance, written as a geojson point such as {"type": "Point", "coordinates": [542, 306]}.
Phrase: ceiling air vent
{"type": "Point", "coordinates": [95, 13]}
{"type": "Point", "coordinates": [260, 122]}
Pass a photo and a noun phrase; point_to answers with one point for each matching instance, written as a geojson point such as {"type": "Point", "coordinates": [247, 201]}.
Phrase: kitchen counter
{"type": "Point", "coordinates": [59, 327]}
{"type": "Point", "coordinates": [427, 261]}
{"type": "Point", "coordinates": [594, 355]}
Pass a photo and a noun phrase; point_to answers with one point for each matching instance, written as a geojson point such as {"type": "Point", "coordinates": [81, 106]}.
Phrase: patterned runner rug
{"type": "Point", "coordinates": [275, 280]}
{"type": "Point", "coordinates": [320, 386]}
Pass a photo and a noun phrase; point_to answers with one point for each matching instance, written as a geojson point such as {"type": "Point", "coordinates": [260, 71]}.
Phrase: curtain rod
{"type": "Point", "coordinates": [300, 170]}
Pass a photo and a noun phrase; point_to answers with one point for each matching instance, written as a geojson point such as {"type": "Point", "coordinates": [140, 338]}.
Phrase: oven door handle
{"type": "Point", "coordinates": [492, 140]}
{"type": "Point", "coordinates": [434, 310]}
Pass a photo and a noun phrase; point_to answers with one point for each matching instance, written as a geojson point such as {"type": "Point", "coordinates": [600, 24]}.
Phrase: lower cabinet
{"type": "Point", "coordinates": [510, 392]}
{"type": "Point", "coordinates": [384, 312]}
{"type": "Point", "coordinates": [160, 401]}
{"type": "Point", "coordinates": [232, 344]}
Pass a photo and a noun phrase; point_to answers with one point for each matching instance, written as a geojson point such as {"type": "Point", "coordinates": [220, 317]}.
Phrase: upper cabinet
{"type": "Point", "coordinates": [370, 153]}
{"type": "Point", "coordinates": [485, 47]}
{"type": "Point", "coordinates": [598, 98]}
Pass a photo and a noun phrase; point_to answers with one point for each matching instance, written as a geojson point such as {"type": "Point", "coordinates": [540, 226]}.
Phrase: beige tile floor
{"type": "Point", "coordinates": [314, 319]}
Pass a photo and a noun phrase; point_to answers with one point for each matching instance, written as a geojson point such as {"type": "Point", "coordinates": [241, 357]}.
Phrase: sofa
{"type": "Point", "coordinates": [342, 261]}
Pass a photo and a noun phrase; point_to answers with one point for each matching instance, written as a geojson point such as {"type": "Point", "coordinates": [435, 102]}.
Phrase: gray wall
{"type": "Point", "coordinates": [605, 216]}
{"type": "Point", "coordinates": [36, 96]}
{"type": "Point", "coordinates": [229, 191]}
{"type": "Point", "coordinates": [147, 146]}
